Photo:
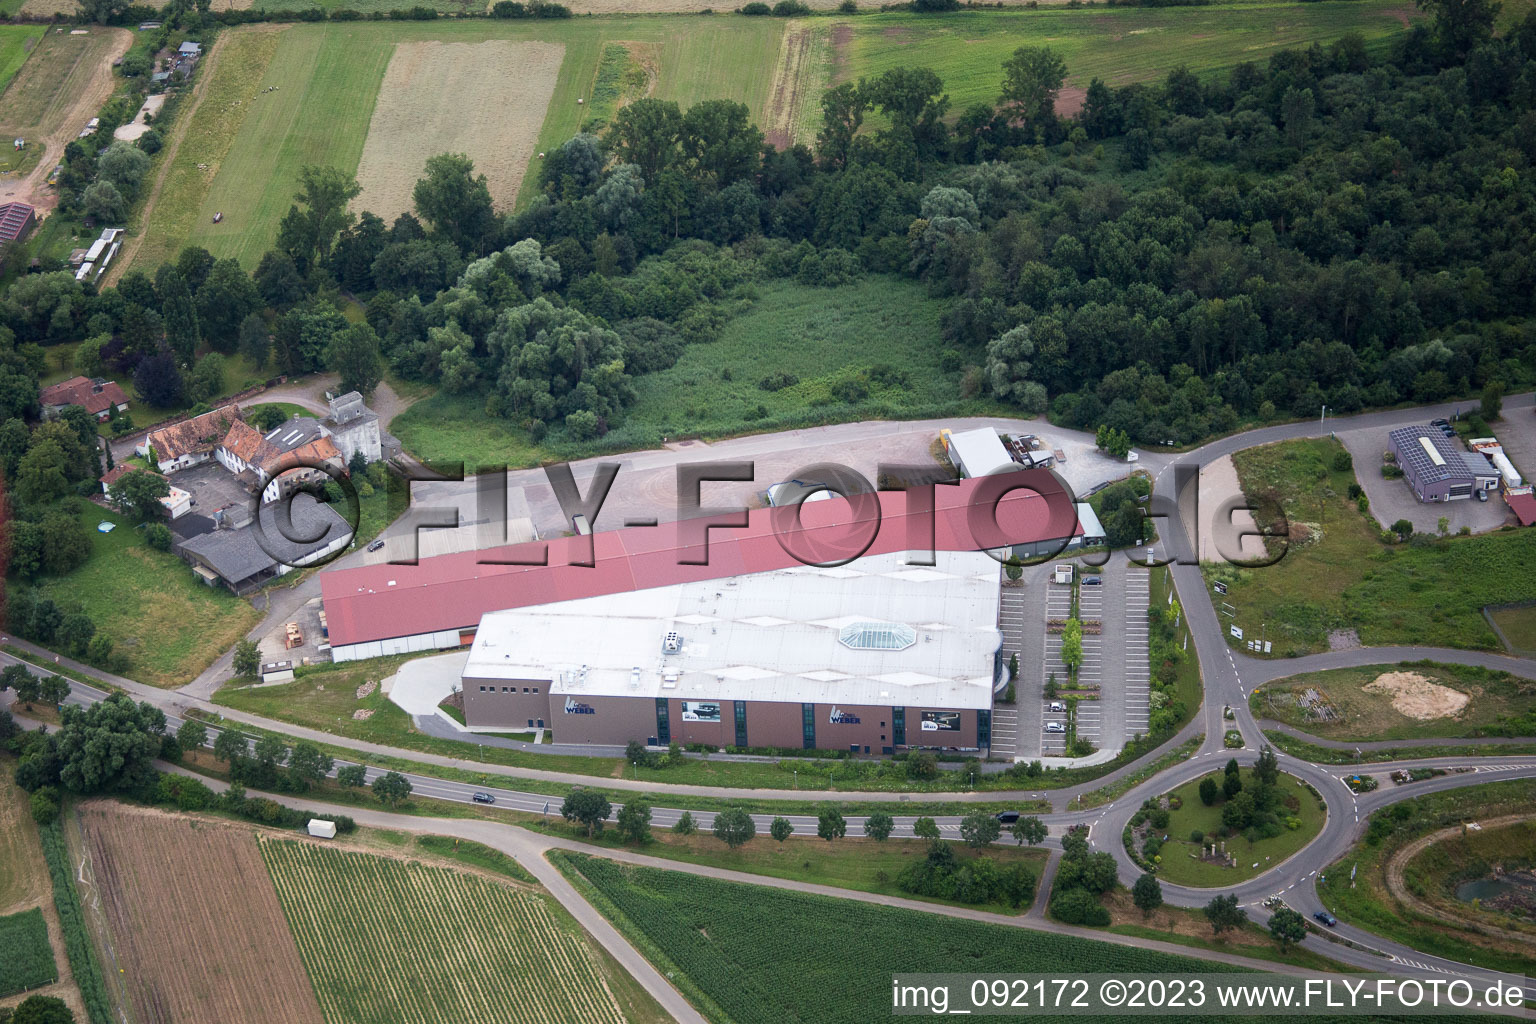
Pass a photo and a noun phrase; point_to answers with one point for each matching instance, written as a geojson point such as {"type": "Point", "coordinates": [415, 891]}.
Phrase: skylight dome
{"type": "Point", "coordinates": [877, 636]}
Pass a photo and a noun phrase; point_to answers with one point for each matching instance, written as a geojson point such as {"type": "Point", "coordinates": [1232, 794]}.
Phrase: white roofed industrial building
{"type": "Point", "coordinates": [850, 656]}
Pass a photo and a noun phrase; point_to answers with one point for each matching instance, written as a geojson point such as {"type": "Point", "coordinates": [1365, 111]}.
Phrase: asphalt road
{"type": "Point", "coordinates": [1228, 678]}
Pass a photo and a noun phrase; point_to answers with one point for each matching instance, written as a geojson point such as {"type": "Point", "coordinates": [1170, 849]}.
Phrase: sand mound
{"type": "Point", "coordinates": [1416, 696]}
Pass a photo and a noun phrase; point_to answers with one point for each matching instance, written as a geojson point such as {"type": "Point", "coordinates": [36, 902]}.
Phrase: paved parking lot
{"type": "Point", "coordinates": [1517, 433]}
{"type": "Point", "coordinates": [1392, 500]}
{"type": "Point", "coordinates": [212, 487]}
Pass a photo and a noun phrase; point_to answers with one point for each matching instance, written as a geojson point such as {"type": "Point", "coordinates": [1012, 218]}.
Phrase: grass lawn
{"type": "Point", "coordinates": [752, 954]}
{"type": "Point", "coordinates": [1518, 626]}
{"type": "Point", "coordinates": [16, 45]}
{"type": "Point", "coordinates": [967, 48]}
{"type": "Point", "coordinates": [330, 74]}
{"type": "Point", "coordinates": [824, 336]}
{"type": "Point", "coordinates": [1331, 755]}
{"type": "Point", "coordinates": [1372, 716]}
{"type": "Point", "coordinates": [1366, 902]}
{"type": "Point", "coordinates": [1180, 863]}
{"type": "Point", "coordinates": [848, 863]}
{"type": "Point", "coordinates": [162, 618]}
{"type": "Point", "coordinates": [1188, 927]}
{"type": "Point", "coordinates": [1338, 573]}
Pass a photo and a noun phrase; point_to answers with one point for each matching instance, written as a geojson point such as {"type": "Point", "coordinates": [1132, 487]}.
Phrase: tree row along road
{"type": "Point", "coordinates": [1343, 827]}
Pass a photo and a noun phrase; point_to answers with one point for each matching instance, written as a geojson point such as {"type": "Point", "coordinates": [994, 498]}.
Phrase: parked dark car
{"type": "Point", "coordinates": [1007, 817]}
{"type": "Point", "coordinates": [483, 798]}
{"type": "Point", "coordinates": [1092, 581]}
{"type": "Point", "coordinates": [1327, 918]}
{"type": "Point", "coordinates": [1439, 423]}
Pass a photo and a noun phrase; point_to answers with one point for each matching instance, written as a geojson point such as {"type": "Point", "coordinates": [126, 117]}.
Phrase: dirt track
{"type": "Point", "coordinates": [1397, 884]}
{"type": "Point", "coordinates": [33, 189]}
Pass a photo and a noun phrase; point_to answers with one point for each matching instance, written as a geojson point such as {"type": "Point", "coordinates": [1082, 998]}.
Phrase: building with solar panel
{"type": "Point", "coordinates": [874, 656]}
{"type": "Point", "coordinates": [1438, 469]}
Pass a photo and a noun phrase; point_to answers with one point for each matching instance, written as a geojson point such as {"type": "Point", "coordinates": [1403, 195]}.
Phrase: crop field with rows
{"type": "Point", "coordinates": [388, 940]}
{"type": "Point", "coordinates": [26, 959]}
{"type": "Point", "coordinates": [749, 953]}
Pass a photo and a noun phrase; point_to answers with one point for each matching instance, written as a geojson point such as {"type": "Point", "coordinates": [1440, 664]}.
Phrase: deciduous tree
{"type": "Point", "coordinates": [734, 827]}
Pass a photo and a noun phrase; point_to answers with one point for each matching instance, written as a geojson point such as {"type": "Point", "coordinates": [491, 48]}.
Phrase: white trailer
{"type": "Point", "coordinates": [322, 829]}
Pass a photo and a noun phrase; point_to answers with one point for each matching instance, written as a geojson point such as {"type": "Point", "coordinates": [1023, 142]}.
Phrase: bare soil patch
{"type": "Point", "coordinates": [842, 41]}
{"type": "Point", "coordinates": [787, 95]}
{"type": "Point", "coordinates": [1070, 100]}
{"type": "Point", "coordinates": [486, 100]}
{"type": "Point", "coordinates": [194, 919]}
{"type": "Point", "coordinates": [1415, 696]}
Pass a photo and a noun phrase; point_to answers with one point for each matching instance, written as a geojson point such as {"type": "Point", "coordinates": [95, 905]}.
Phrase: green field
{"type": "Point", "coordinates": [1497, 702]}
{"type": "Point", "coordinates": [162, 618]}
{"type": "Point", "coordinates": [1339, 574]}
{"type": "Point", "coordinates": [746, 954]}
{"type": "Point", "coordinates": [849, 863]}
{"type": "Point", "coordinates": [16, 43]}
{"type": "Point", "coordinates": [1123, 45]}
{"type": "Point", "coordinates": [1180, 863]}
{"type": "Point", "coordinates": [1518, 626]}
{"type": "Point", "coordinates": [385, 940]}
{"type": "Point", "coordinates": [26, 959]}
{"type": "Point", "coordinates": [254, 143]}
{"type": "Point", "coordinates": [1365, 902]}
{"type": "Point", "coordinates": [244, 147]}
{"type": "Point", "coordinates": [826, 336]}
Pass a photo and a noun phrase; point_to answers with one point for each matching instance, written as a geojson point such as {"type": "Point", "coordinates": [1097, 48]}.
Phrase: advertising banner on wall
{"type": "Point", "coordinates": [941, 721]}
{"type": "Point", "coordinates": [701, 711]}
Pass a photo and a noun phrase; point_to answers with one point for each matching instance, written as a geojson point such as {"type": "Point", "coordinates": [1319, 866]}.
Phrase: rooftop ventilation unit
{"type": "Point", "coordinates": [671, 643]}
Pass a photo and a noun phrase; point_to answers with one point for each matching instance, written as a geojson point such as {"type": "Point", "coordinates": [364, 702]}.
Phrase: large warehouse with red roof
{"type": "Point", "coordinates": [868, 623]}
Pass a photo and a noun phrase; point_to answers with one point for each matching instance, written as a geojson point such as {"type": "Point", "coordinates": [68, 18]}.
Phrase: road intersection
{"type": "Point", "coordinates": [1228, 679]}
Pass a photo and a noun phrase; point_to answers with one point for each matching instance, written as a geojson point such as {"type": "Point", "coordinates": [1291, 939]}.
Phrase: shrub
{"type": "Point", "coordinates": [158, 536]}
{"type": "Point", "coordinates": [778, 381]}
{"type": "Point", "coordinates": [756, 9]}
{"type": "Point", "coordinates": [790, 9]}
{"type": "Point", "coordinates": [1078, 906]}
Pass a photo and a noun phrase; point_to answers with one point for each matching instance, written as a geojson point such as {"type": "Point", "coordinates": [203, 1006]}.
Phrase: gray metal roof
{"type": "Point", "coordinates": [293, 432]}
{"type": "Point", "coordinates": [240, 553]}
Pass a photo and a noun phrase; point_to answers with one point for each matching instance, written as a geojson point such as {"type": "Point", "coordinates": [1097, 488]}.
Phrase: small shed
{"type": "Point", "coordinates": [189, 49]}
{"type": "Point", "coordinates": [277, 672]}
{"type": "Point", "coordinates": [322, 829]}
{"type": "Point", "coordinates": [1063, 573]}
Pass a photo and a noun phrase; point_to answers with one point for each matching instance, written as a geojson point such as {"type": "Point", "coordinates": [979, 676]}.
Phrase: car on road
{"type": "Point", "coordinates": [1327, 918]}
{"type": "Point", "coordinates": [1439, 423]}
{"type": "Point", "coordinates": [1007, 817]}
{"type": "Point", "coordinates": [483, 798]}
{"type": "Point", "coordinates": [1055, 727]}
{"type": "Point", "coordinates": [378, 543]}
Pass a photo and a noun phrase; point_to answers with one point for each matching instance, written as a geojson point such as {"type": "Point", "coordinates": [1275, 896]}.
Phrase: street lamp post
{"type": "Point", "coordinates": [1323, 416]}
